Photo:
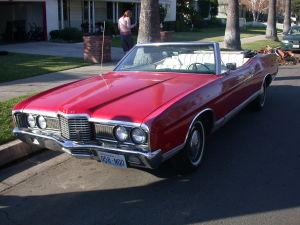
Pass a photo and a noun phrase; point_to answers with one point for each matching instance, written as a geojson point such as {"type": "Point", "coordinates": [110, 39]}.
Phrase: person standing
{"type": "Point", "coordinates": [124, 25]}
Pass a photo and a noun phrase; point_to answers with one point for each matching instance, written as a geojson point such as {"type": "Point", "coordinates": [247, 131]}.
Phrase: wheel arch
{"type": "Point", "coordinates": [207, 118]}
{"type": "Point", "coordinates": [268, 79]}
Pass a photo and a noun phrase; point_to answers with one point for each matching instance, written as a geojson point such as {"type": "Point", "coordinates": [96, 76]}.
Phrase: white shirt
{"type": "Point", "coordinates": [124, 25]}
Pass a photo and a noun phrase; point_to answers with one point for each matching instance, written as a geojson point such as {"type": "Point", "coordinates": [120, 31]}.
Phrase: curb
{"type": "Point", "coordinates": [15, 150]}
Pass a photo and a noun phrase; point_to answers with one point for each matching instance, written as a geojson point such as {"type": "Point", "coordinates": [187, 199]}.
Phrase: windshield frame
{"type": "Point", "coordinates": [215, 45]}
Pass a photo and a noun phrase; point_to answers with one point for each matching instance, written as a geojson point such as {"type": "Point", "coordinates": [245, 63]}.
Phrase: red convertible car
{"type": "Point", "coordinates": [161, 100]}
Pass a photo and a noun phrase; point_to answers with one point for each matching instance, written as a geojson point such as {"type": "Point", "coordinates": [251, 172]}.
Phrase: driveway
{"type": "Point", "coordinates": [55, 49]}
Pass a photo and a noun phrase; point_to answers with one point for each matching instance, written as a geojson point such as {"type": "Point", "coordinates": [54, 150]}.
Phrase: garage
{"type": "Point", "coordinates": [22, 21]}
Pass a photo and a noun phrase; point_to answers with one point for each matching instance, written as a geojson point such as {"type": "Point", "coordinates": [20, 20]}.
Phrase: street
{"type": "Point", "coordinates": [250, 175]}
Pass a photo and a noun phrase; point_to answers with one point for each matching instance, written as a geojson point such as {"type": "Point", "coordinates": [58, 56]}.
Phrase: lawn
{"type": "Point", "coordinates": [6, 123]}
{"type": "Point", "coordinates": [16, 66]}
{"type": "Point", "coordinates": [208, 34]}
{"type": "Point", "coordinates": [257, 45]}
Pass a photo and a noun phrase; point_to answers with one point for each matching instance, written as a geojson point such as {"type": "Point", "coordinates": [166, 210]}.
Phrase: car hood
{"type": "Point", "coordinates": [126, 96]}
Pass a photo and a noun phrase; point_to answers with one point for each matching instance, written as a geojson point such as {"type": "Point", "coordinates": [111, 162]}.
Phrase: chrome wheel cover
{"type": "Point", "coordinates": [196, 145]}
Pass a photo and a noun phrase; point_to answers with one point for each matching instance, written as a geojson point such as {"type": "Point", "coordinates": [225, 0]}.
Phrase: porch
{"type": "Point", "coordinates": [85, 14]}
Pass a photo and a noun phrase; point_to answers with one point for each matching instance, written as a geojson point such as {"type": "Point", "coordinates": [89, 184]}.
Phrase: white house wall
{"type": "Point", "coordinates": [52, 15]}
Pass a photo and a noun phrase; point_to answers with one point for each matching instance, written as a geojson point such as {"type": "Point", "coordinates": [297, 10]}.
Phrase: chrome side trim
{"type": "Point", "coordinates": [220, 122]}
{"type": "Point", "coordinates": [175, 150]}
{"type": "Point", "coordinates": [169, 154]}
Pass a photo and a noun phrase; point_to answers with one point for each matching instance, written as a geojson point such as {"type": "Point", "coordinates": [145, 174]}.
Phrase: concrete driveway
{"type": "Point", "coordinates": [55, 49]}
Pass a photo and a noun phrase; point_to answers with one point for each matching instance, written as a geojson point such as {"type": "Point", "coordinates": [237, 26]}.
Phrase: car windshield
{"type": "Point", "coordinates": [295, 31]}
{"type": "Point", "coordinates": [170, 58]}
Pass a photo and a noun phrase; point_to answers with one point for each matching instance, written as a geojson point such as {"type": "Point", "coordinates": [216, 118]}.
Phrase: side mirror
{"type": "Point", "coordinates": [231, 66]}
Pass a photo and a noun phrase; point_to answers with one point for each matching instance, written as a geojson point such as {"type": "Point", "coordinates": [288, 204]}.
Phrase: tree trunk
{"type": "Point", "coordinates": [287, 16]}
{"type": "Point", "coordinates": [149, 29]}
{"type": "Point", "coordinates": [232, 38]}
{"type": "Point", "coordinates": [271, 32]}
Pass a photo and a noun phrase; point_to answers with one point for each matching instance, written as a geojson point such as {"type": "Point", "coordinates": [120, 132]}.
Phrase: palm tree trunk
{"type": "Point", "coordinates": [287, 16]}
{"type": "Point", "coordinates": [271, 32]}
{"type": "Point", "coordinates": [232, 38]}
{"type": "Point", "coordinates": [149, 29]}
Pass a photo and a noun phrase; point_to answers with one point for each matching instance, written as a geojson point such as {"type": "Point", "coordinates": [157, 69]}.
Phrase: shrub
{"type": "Point", "coordinates": [70, 34]}
{"type": "Point", "coordinates": [169, 25]}
{"type": "Point", "coordinates": [110, 28]}
{"type": "Point", "coordinates": [55, 35]}
{"type": "Point", "coordinates": [181, 26]}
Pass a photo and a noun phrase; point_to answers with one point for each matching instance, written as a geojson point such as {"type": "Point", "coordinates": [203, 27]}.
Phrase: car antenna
{"type": "Point", "coordinates": [102, 47]}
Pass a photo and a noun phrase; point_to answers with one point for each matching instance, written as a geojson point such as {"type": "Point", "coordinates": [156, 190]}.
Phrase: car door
{"type": "Point", "coordinates": [234, 88]}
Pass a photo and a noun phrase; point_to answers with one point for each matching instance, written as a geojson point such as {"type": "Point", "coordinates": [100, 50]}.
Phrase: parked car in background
{"type": "Point", "coordinates": [291, 39]}
{"type": "Point", "coordinates": [161, 100]}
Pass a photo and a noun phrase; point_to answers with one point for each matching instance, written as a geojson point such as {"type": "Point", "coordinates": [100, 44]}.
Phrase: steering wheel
{"type": "Point", "coordinates": [197, 66]}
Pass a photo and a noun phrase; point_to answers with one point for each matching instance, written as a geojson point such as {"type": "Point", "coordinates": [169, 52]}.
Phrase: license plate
{"type": "Point", "coordinates": [112, 159]}
{"type": "Point", "coordinates": [295, 46]}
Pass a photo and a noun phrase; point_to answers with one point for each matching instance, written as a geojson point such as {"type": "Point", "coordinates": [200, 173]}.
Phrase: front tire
{"type": "Point", "coordinates": [192, 154]}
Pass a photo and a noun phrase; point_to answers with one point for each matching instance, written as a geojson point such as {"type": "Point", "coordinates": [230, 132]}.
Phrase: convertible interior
{"type": "Point", "coordinates": [186, 59]}
{"type": "Point", "coordinates": [201, 61]}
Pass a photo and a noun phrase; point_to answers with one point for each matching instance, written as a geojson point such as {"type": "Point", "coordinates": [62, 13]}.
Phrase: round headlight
{"type": "Point", "coordinates": [31, 120]}
{"type": "Point", "coordinates": [121, 133]}
{"type": "Point", "coordinates": [42, 122]}
{"type": "Point", "coordinates": [138, 136]}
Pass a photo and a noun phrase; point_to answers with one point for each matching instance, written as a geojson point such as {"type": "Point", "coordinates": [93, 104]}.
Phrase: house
{"type": "Point", "coordinates": [20, 18]}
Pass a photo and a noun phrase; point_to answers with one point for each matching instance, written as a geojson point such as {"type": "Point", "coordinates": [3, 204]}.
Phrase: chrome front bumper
{"type": "Point", "coordinates": [133, 157]}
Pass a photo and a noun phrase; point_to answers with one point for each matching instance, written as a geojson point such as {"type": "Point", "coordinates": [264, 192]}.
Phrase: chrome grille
{"type": "Point", "coordinates": [104, 131]}
{"type": "Point", "coordinates": [21, 120]}
{"type": "Point", "coordinates": [52, 123]}
{"type": "Point", "coordinates": [75, 129]}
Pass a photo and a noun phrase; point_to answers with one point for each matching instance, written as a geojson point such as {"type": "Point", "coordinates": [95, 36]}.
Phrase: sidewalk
{"type": "Point", "coordinates": [43, 82]}
{"type": "Point", "coordinates": [247, 40]}
{"type": "Point", "coordinates": [55, 49]}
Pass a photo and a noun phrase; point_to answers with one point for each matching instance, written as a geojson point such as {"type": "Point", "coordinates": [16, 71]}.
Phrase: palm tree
{"type": "Point", "coordinates": [149, 28]}
{"type": "Point", "coordinates": [271, 32]}
{"type": "Point", "coordinates": [232, 38]}
{"type": "Point", "coordinates": [287, 16]}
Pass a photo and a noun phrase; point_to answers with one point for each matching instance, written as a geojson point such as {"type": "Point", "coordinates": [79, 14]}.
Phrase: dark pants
{"type": "Point", "coordinates": [127, 42]}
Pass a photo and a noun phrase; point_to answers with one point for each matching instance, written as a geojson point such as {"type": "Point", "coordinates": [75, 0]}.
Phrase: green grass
{"type": "Point", "coordinates": [16, 66]}
{"type": "Point", "coordinates": [208, 34]}
{"type": "Point", "coordinates": [257, 45]}
{"type": "Point", "coordinates": [6, 123]}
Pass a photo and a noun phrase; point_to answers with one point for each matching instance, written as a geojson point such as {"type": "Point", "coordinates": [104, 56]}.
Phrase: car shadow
{"type": "Point", "coordinates": [251, 165]}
